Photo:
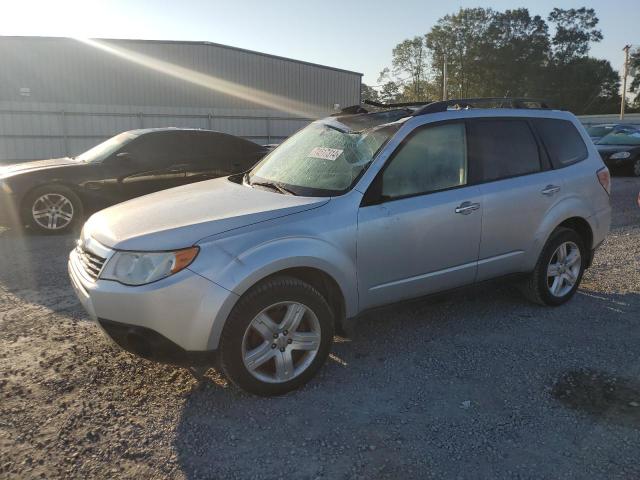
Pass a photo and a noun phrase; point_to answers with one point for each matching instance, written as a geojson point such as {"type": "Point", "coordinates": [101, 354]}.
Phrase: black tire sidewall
{"type": "Point", "coordinates": [278, 289]}
{"type": "Point", "coordinates": [559, 237]}
{"type": "Point", "coordinates": [33, 195]}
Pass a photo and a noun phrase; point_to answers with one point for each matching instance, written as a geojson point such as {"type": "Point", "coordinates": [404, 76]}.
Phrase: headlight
{"type": "Point", "coordinates": [620, 155]}
{"type": "Point", "coordinates": [139, 268]}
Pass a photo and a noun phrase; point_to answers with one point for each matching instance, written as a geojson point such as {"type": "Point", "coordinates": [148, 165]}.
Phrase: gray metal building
{"type": "Point", "coordinates": [60, 96]}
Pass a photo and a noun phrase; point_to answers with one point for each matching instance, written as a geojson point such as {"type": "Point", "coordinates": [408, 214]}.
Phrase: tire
{"type": "Point", "coordinates": [249, 338]}
{"type": "Point", "coordinates": [635, 167]}
{"type": "Point", "coordinates": [60, 209]}
{"type": "Point", "coordinates": [539, 287]}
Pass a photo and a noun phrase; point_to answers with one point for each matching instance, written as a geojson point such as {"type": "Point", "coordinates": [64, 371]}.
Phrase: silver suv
{"type": "Point", "coordinates": [258, 271]}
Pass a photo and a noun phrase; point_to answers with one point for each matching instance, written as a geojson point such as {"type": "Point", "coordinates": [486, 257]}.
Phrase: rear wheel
{"type": "Point", "coordinates": [52, 209]}
{"type": "Point", "coordinates": [559, 270]}
{"type": "Point", "coordinates": [277, 337]}
{"type": "Point", "coordinates": [635, 168]}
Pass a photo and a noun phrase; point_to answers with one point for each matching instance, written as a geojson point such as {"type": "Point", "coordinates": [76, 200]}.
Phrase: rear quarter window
{"type": "Point", "coordinates": [562, 140]}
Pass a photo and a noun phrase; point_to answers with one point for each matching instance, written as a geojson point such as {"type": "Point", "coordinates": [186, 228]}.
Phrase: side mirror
{"type": "Point", "coordinates": [374, 193]}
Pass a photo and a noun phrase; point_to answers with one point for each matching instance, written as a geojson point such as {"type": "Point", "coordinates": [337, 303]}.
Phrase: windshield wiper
{"type": "Point", "coordinates": [274, 186]}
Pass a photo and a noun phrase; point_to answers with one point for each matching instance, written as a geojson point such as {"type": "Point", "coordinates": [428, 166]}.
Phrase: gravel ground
{"type": "Point", "coordinates": [474, 385]}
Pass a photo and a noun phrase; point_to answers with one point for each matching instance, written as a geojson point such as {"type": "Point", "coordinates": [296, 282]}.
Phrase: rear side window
{"type": "Point", "coordinates": [563, 142]}
{"type": "Point", "coordinates": [503, 148]}
{"type": "Point", "coordinates": [159, 149]}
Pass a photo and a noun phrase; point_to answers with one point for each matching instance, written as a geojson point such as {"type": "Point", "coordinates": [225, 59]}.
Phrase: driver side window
{"type": "Point", "coordinates": [433, 158]}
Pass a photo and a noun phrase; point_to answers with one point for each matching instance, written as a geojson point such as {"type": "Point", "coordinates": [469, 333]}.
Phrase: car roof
{"type": "Point", "coordinates": [144, 131]}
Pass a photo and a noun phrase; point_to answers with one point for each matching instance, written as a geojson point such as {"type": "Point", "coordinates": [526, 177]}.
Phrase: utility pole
{"type": "Point", "coordinates": [444, 77]}
{"type": "Point", "coordinates": [625, 69]}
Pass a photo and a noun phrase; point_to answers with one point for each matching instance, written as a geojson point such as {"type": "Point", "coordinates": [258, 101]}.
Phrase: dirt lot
{"type": "Point", "coordinates": [475, 385]}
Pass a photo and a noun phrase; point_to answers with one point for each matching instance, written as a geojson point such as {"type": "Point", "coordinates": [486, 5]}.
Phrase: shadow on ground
{"type": "Point", "coordinates": [473, 382]}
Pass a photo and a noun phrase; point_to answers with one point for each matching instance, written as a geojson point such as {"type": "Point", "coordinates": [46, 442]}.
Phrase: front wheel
{"type": "Point", "coordinates": [559, 270]}
{"type": "Point", "coordinates": [52, 209]}
{"type": "Point", "coordinates": [277, 337]}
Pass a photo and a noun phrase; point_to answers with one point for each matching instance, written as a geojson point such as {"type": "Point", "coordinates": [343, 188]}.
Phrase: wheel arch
{"type": "Point", "coordinates": [49, 183]}
{"type": "Point", "coordinates": [317, 262]}
{"type": "Point", "coordinates": [578, 223]}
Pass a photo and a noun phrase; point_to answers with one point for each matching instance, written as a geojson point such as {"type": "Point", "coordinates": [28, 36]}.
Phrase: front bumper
{"type": "Point", "coordinates": [185, 309]}
{"type": "Point", "coordinates": [9, 213]}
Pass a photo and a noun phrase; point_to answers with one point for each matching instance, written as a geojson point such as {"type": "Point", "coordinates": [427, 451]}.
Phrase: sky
{"type": "Point", "coordinates": [349, 34]}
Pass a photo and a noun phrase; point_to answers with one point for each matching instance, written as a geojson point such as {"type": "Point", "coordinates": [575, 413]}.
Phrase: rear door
{"type": "Point", "coordinates": [155, 161]}
{"type": "Point", "coordinates": [518, 188]}
{"type": "Point", "coordinates": [218, 154]}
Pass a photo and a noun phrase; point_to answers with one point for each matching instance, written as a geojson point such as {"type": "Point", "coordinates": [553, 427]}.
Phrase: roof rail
{"type": "Point", "coordinates": [467, 103]}
{"type": "Point", "coordinates": [395, 105]}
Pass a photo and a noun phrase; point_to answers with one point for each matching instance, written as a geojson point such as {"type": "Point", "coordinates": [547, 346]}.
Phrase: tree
{"type": "Point", "coordinates": [493, 53]}
{"type": "Point", "coordinates": [409, 71]}
{"type": "Point", "coordinates": [634, 71]}
{"type": "Point", "coordinates": [575, 30]}
{"type": "Point", "coordinates": [369, 93]}
{"type": "Point", "coordinates": [585, 86]}
{"type": "Point", "coordinates": [460, 37]}
{"type": "Point", "coordinates": [389, 92]}
{"type": "Point", "coordinates": [514, 51]}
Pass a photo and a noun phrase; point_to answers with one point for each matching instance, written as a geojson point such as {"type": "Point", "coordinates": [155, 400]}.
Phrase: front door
{"type": "Point", "coordinates": [423, 234]}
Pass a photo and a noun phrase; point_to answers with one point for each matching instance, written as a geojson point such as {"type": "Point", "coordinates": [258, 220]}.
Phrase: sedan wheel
{"type": "Point", "coordinates": [281, 342]}
{"type": "Point", "coordinates": [636, 167]}
{"type": "Point", "coordinates": [52, 211]}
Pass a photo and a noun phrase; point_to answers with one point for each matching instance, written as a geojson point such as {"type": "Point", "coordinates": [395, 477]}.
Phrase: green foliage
{"type": "Point", "coordinates": [634, 71]}
{"type": "Point", "coordinates": [511, 53]}
{"type": "Point", "coordinates": [575, 30]}
{"type": "Point", "coordinates": [369, 93]}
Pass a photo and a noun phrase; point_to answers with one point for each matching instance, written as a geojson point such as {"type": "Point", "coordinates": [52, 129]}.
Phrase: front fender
{"type": "Point", "coordinates": [238, 270]}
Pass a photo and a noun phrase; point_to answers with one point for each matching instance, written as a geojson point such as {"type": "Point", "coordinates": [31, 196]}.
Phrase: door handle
{"type": "Point", "coordinates": [550, 190]}
{"type": "Point", "coordinates": [465, 208]}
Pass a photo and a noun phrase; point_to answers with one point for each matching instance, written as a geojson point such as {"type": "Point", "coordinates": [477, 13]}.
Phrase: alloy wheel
{"type": "Point", "coordinates": [564, 269]}
{"type": "Point", "coordinates": [281, 342]}
{"type": "Point", "coordinates": [52, 211]}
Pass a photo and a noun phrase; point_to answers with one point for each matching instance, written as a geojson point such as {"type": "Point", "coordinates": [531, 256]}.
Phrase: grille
{"type": "Point", "coordinates": [91, 262]}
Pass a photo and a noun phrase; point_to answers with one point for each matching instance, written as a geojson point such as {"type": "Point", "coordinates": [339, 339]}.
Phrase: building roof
{"type": "Point", "coordinates": [189, 42]}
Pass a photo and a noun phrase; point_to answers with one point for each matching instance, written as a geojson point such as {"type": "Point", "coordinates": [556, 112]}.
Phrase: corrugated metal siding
{"type": "Point", "coordinates": [80, 95]}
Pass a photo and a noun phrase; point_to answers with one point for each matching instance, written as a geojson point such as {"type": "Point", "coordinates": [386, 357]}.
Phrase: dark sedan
{"type": "Point", "coordinates": [621, 151]}
{"type": "Point", "coordinates": [596, 132]}
{"type": "Point", "coordinates": [53, 195]}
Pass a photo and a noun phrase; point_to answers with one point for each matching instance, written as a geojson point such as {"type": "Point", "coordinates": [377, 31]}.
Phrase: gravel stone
{"type": "Point", "coordinates": [386, 405]}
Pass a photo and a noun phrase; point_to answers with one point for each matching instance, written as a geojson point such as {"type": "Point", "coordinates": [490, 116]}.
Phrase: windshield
{"type": "Point", "coordinates": [599, 130]}
{"type": "Point", "coordinates": [321, 160]}
{"type": "Point", "coordinates": [621, 138]}
{"type": "Point", "coordinates": [106, 148]}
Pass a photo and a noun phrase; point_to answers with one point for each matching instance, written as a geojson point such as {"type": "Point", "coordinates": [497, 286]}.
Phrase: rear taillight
{"type": "Point", "coordinates": [605, 179]}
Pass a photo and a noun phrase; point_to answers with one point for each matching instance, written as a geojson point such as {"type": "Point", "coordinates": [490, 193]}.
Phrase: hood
{"type": "Point", "coordinates": [615, 148]}
{"type": "Point", "coordinates": [180, 217]}
{"type": "Point", "coordinates": [16, 168]}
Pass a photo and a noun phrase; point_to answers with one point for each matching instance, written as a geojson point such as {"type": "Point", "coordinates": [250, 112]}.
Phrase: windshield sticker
{"type": "Point", "coordinates": [325, 153]}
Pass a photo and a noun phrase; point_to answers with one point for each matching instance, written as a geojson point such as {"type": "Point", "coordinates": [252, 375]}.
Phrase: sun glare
{"type": "Point", "coordinates": [243, 92]}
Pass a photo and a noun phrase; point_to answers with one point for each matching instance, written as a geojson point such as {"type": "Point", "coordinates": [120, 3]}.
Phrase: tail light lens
{"type": "Point", "coordinates": [605, 179]}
